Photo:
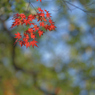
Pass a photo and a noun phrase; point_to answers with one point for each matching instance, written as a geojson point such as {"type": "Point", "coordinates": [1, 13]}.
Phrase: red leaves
{"type": "Point", "coordinates": [40, 0]}
{"type": "Point", "coordinates": [22, 43]}
{"type": "Point", "coordinates": [33, 36]}
{"type": "Point", "coordinates": [44, 19]}
{"type": "Point", "coordinates": [30, 30]}
{"type": "Point", "coordinates": [40, 10]}
{"type": "Point", "coordinates": [42, 24]}
{"type": "Point", "coordinates": [18, 36]}
{"type": "Point", "coordinates": [22, 16]}
{"type": "Point", "coordinates": [33, 43]}
{"type": "Point", "coordinates": [40, 32]}
{"type": "Point", "coordinates": [36, 28]}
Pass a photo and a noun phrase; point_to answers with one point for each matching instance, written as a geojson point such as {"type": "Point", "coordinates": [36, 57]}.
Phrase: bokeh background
{"type": "Point", "coordinates": [64, 61]}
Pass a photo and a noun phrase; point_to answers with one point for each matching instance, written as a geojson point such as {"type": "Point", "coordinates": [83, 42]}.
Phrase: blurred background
{"type": "Point", "coordinates": [64, 61]}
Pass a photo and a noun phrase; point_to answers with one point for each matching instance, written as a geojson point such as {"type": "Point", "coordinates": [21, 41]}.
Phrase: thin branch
{"type": "Point", "coordinates": [32, 6]}
{"type": "Point", "coordinates": [66, 4]}
{"type": "Point", "coordinates": [77, 7]}
{"type": "Point", "coordinates": [28, 5]}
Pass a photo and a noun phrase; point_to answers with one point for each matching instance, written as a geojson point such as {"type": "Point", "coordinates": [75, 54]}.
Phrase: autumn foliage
{"type": "Point", "coordinates": [29, 36]}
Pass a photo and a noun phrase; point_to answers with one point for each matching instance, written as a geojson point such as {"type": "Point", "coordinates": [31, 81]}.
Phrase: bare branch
{"type": "Point", "coordinates": [78, 7]}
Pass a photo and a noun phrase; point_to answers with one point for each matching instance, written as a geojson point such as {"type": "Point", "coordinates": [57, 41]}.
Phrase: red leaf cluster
{"type": "Point", "coordinates": [40, 0]}
{"type": "Point", "coordinates": [44, 19]}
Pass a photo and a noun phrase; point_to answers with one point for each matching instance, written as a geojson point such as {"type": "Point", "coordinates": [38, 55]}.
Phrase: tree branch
{"type": "Point", "coordinates": [77, 7]}
{"type": "Point", "coordinates": [33, 73]}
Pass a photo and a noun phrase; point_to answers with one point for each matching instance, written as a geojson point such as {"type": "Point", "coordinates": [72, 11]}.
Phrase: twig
{"type": "Point", "coordinates": [34, 8]}
{"type": "Point", "coordinates": [77, 7]}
